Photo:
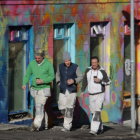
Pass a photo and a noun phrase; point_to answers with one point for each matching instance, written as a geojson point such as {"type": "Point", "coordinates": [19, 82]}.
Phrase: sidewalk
{"type": "Point", "coordinates": [112, 131]}
{"type": "Point", "coordinates": [6, 127]}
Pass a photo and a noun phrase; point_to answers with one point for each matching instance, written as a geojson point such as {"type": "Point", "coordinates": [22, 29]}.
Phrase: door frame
{"type": "Point", "coordinates": [95, 31]}
{"type": "Point", "coordinates": [27, 100]}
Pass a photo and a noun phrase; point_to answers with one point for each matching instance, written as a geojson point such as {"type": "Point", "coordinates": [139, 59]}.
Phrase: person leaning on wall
{"type": "Point", "coordinates": [42, 73]}
{"type": "Point", "coordinates": [95, 79]}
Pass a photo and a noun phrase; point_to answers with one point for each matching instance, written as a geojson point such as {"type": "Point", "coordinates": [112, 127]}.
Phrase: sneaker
{"type": "Point", "coordinates": [37, 130]}
{"type": "Point", "coordinates": [93, 133]}
{"type": "Point", "coordinates": [46, 128]}
{"type": "Point", "coordinates": [33, 129]}
{"type": "Point", "coordinates": [65, 130]}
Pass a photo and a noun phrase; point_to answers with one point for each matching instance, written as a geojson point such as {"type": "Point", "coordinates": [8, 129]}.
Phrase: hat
{"type": "Point", "coordinates": [66, 56]}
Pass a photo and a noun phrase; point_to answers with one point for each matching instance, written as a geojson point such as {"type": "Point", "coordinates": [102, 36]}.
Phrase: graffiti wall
{"type": "Point", "coordinates": [41, 16]}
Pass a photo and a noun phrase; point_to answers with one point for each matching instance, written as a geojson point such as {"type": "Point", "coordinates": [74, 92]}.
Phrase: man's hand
{"type": "Point", "coordinates": [96, 80]}
{"type": "Point", "coordinates": [70, 81]}
{"type": "Point", "coordinates": [39, 81]}
{"type": "Point", "coordinates": [23, 87]}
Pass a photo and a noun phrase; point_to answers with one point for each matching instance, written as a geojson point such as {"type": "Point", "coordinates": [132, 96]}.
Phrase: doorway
{"type": "Point", "coordinates": [100, 33]}
{"type": "Point", "coordinates": [95, 45]}
{"type": "Point", "coordinates": [100, 47]}
{"type": "Point", "coordinates": [18, 59]}
{"type": "Point", "coordinates": [17, 62]}
{"type": "Point", "coordinates": [64, 41]}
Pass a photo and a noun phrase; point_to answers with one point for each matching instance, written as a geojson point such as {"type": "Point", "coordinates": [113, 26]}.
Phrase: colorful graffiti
{"type": "Point", "coordinates": [42, 15]}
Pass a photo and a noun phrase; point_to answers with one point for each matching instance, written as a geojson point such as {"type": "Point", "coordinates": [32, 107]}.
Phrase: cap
{"type": "Point", "coordinates": [66, 56]}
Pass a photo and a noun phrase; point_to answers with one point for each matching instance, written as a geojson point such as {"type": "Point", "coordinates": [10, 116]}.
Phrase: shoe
{"type": "Point", "coordinates": [46, 128]}
{"type": "Point", "coordinates": [37, 130]}
{"type": "Point", "coordinates": [65, 130]}
{"type": "Point", "coordinates": [33, 128]}
{"type": "Point", "coordinates": [93, 133]}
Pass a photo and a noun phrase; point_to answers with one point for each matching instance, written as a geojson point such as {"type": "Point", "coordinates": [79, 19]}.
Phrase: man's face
{"type": "Point", "coordinates": [38, 59]}
{"type": "Point", "coordinates": [94, 63]}
{"type": "Point", "coordinates": [67, 63]}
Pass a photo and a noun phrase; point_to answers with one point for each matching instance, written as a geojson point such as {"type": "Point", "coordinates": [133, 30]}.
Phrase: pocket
{"type": "Point", "coordinates": [46, 92]}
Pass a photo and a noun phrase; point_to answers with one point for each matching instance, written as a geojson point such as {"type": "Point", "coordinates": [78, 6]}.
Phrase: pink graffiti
{"type": "Point", "coordinates": [138, 66]}
{"type": "Point", "coordinates": [83, 103]}
{"type": "Point", "coordinates": [113, 97]}
{"type": "Point", "coordinates": [50, 42]}
{"type": "Point", "coordinates": [137, 12]}
{"type": "Point", "coordinates": [86, 46]}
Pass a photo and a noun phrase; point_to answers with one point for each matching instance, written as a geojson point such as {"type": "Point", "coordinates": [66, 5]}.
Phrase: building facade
{"type": "Point", "coordinates": [84, 28]}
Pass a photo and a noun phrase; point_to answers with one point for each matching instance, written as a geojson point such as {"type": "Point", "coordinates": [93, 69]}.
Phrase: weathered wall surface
{"type": "Point", "coordinates": [42, 15]}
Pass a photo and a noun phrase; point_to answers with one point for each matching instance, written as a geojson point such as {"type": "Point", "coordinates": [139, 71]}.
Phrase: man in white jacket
{"type": "Point", "coordinates": [95, 79]}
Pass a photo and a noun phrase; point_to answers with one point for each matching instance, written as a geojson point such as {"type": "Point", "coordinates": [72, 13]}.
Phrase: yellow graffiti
{"type": "Point", "coordinates": [138, 67]}
{"type": "Point", "coordinates": [46, 16]}
{"type": "Point", "coordinates": [104, 116]}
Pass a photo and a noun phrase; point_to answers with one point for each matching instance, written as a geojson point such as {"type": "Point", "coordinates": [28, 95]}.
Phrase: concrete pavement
{"type": "Point", "coordinates": [5, 127]}
{"type": "Point", "coordinates": [21, 132]}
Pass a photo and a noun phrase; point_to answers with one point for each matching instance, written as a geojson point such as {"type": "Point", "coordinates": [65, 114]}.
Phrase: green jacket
{"type": "Point", "coordinates": [44, 72]}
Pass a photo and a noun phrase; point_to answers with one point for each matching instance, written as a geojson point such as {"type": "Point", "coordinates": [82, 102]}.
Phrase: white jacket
{"type": "Point", "coordinates": [88, 80]}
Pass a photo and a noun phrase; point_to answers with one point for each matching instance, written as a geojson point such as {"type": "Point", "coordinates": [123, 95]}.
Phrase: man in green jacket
{"type": "Point", "coordinates": [42, 73]}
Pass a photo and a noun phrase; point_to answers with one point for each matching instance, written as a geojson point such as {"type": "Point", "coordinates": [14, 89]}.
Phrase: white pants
{"type": "Point", "coordinates": [95, 105]}
{"type": "Point", "coordinates": [40, 97]}
{"type": "Point", "coordinates": [66, 104]}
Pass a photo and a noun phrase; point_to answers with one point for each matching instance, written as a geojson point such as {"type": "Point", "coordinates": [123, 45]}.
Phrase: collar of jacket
{"type": "Point", "coordinates": [66, 66]}
{"type": "Point", "coordinates": [41, 62]}
{"type": "Point", "coordinates": [99, 67]}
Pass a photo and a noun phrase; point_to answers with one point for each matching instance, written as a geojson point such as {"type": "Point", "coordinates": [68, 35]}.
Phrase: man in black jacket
{"type": "Point", "coordinates": [67, 76]}
{"type": "Point", "coordinates": [95, 79]}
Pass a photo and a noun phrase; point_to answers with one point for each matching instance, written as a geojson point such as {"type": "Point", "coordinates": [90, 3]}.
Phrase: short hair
{"type": "Point", "coordinates": [42, 54]}
{"type": "Point", "coordinates": [95, 57]}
